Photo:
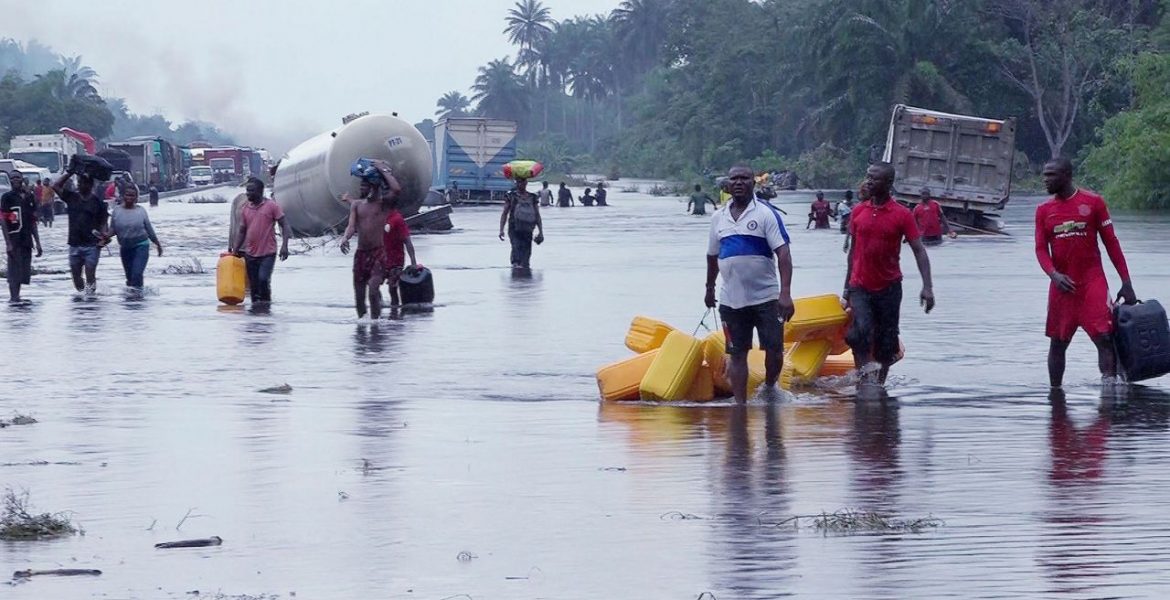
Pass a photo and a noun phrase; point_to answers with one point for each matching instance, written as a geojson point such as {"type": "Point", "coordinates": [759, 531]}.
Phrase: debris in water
{"type": "Point", "coordinates": [675, 515]}
{"type": "Point", "coordinates": [848, 521]}
{"type": "Point", "coordinates": [280, 389]}
{"type": "Point", "coordinates": [57, 572]}
{"type": "Point", "coordinates": [38, 463]}
{"type": "Point", "coordinates": [214, 540]}
{"type": "Point", "coordinates": [17, 420]}
{"type": "Point", "coordinates": [188, 266]}
{"type": "Point", "coordinates": [17, 523]}
{"type": "Point", "coordinates": [465, 556]}
{"type": "Point", "coordinates": [613, 469]}
{"type": "Point", "coordinates": [342, 496]}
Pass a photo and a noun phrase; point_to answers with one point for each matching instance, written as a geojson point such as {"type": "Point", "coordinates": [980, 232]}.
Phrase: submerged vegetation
{"type": "Point", "coordinates": [18, 523]}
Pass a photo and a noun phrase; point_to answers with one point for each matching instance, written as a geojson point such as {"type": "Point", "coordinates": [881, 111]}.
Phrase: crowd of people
{"type": "Point", "coordinates": [748, 249]}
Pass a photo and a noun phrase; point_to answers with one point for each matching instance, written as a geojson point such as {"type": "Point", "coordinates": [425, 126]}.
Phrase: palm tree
{"type": "Point", "coordinates": [640, 30]}
{"type": "Point", "coordinates": [453, 104]}
{"type": "Point", "coordinates": [80, 80]}
{"type": "Point", "coordinates": [528, 23]}
{"type": "Point", "coordinates": [499, 91]}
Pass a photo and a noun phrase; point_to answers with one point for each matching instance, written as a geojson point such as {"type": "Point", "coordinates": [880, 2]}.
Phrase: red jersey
{"type": "Point", "coordinates": [929, 217]}
{"type": "Point", "coordinates": [394, 238]}
{"type": "Point", "coordinates": [878, 231]}
{"type": "Point", "coordinates": [1066, 237]}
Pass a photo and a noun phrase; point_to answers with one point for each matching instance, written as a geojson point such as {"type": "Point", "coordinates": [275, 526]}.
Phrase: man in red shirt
{"type": "Point", "coordinates": [932, 223]}
{"type": "Point", "coordinates": [873, 279]}
{"type": "Point", "coordinates": [1067, 227]}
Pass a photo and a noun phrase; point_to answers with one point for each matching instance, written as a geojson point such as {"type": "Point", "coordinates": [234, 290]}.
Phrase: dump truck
{"type": "Point", "coordinates": [469, 158]}
{"type": "Point", "coordinates": [965, 161]}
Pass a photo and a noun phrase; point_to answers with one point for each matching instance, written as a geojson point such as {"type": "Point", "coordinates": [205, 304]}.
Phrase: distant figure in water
{"type": "Point", "coordinates": [601, 193]}
{"type": "Point", "coordinates": [1067, 228]}
{"type": "Point", "coordinates": [873, 277]}
{"type": "Point", "coordinates": [587, 199]}
{"type": "Point", "coordinates": [546, 198]}
{"type": "Point", "coordinates": [564, 196]}
{"type": "Point", "coordinates": [366, 219]}
{"type": "Point", "coordinates": [697, 205]}
{"type": "Point", "coordinates": [845, 207]}
{"type": "Point", "coordinates": [256, 239]}
{"type": "Point", "coordinates": [153, 195]}
{"type": "Point", "coordinates": [820, 212]}
{"type": "Point", "coordinates": [932, 223]}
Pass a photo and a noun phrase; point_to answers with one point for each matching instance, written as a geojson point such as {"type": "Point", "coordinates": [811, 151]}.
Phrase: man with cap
{"type": "Point", "coordinates": [521, 216]}
{"type": "Point", "coordinates": [89, 217]}
{"type": "Point", "coordinates": [366, 219]}
{"type": "Point", "coordinates": [18, 210]}
{"type": "Point", "coordinates": [932, 223]}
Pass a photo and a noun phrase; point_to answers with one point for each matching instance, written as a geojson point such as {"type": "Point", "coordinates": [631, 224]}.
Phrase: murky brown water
{"type": "Point", "coordinates": [483, 434]}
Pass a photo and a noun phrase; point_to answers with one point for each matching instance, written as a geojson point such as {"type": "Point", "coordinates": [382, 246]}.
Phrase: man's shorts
{"type": "Point", "coordinates": [738, 324]}
{"type": "Point", "coordinates": [1087, 308]}
{"type": "Point", "coordinates": [875, 321]}
{"type": "Point", "coordinates": [84, 255]}
{"type": "Point", "coordinates": [368, 264]}
{"type": "Point", "coordinates": [20, 265]}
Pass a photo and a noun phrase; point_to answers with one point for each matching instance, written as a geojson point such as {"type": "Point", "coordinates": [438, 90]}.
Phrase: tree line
{"type": "Point", "coordinates": [678, 87]}
{"type": "Point", "coordinates": [41, 92]}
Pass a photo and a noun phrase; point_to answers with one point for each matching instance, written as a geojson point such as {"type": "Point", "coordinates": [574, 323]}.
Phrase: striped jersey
{"type": "Point", "coordinates": [747, 253]}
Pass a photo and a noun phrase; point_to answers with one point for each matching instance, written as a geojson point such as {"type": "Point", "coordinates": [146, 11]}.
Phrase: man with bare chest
{"type": "Point", "coordinates": [367, 218]}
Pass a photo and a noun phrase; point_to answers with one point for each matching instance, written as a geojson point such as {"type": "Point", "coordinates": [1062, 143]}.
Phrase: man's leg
{"type": "Point", "coordinates": [359, 284]}
{"type": "Point", "coordinates": [14, 277]}
{"type": "Point", "coordinates": [737, 334]}
{"type": "Point", "coordinates": [377, 276]}
{"type": "Point", "coordinates": [737, 375]}
{"type": "Point", "coordinates": [515, 260]}
{"type": "Point", "coordinates": [91, 262]}
{"type": "Point", "coordinates": [887, 316]}
{"type": "Point", "coordinates": [252, 266]}
{"type": "Point", "coordinates": [76, 262]}
{"type": "Point", "coordinates": [127, 256]}
{"type": "Point", "coordinates": [267, 264]}
{"type": "Point", "coordinates": [138, 266]}
{"type": "Point", "coordinates": [525, 249]}
{"type": "Point", "coordinates": [860, 334]}
{"type": "Point", "coordinates": [771, 332]}
{"type": "Point", "coordinates": [1056, 359]}
{"type": "Point", "coordinates": [1106, 356]}
{"type": "Point", "coordinates": [392, 275]}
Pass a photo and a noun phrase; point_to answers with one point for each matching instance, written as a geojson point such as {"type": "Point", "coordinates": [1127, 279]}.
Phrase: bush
{"type": "Point", "coordinates": [827, 166]}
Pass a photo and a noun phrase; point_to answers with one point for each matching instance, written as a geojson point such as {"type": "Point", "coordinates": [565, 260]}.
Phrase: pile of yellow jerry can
{"type": "Point", "coordinates": [673, 366]}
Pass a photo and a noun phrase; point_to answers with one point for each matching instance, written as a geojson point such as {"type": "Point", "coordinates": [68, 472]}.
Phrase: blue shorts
{"type": "Point", "coordinates": [84, 255]}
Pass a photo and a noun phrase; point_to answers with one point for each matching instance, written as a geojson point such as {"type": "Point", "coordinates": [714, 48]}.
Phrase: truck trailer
{"type": "Point", "coordinates": [965, 161]}
{"type": "Point", "coordinates": [469, 158]}
{"type": "Point", "coordinates": [51, 151]}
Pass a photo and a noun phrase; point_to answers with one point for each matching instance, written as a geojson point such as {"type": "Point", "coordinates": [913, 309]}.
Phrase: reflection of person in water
{"type": "Point", "coordinates": [873, 445]}
{"type": "Point", "coordinates": [750, 561]}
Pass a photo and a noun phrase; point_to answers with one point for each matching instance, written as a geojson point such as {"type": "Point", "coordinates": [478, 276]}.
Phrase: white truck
{"type": "Point", "coordinates": [965, 161]}
{"type": "Point", "coordinates": [51, 151]}
{"type": "Point", "coordinates": [200, 175]}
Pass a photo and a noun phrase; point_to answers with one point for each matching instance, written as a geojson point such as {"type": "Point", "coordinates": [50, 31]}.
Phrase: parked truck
{"type": "Point", "coordinates": [228, 163]}
{"type": "Point", "coordinates": [965, 161]}
{"type": "Point", "coordinates": [153, 161]}
{"type": "Point", "coordinates": [51, 151]}
{"type": "Point", "coordinates": [469, 158]}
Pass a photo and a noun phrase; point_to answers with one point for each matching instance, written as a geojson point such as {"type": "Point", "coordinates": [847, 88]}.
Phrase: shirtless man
{"type": "Point", "coordinates": [367, 217]}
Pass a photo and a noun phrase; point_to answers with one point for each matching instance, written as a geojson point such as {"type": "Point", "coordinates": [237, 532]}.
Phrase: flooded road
{"type": "Point", "coordinates": [463, 453]}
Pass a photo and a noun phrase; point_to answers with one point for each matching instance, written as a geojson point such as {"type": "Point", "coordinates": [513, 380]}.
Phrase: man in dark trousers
{"type": "Point", "coordinates": [1067, 228]}
{"type": "Point", "coordinates": [256, 239]}
{"type": "Point", "coordinates": [748, 247]}
{"type": "Point", "coordinates": [521, 216]}
{"type": "Point", "coordinates": [873, 278]}
{"type": "Point", "coordinates": [18, 209]}
{"type": "Point", "coordinates": [89, 218]}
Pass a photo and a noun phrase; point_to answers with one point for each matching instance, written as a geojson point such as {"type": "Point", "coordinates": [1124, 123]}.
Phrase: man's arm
{"type": "Point", "coordinates": [942, 216]}
{"type": "Point", "coordinates": [410, 251]}
{"type": "Point", "coordinates": [1116, 256]}
{"type": "Point", "coordinates": [712, 273]}
{"type": "Point", "coordinates": [241, 234]}
{"type": "Point", "coordinates": [539, 222]}
{"type": "Point", "coordinates": [36, 234]}
{"type": "Point", "coordinates": [504, 215]}
{"type": "Point", "coordinates": [350, 228]}
{"type": "Point", "coordinates": [923, 260]}
{"type": "Point", "coordinates": [1044, 256]}
{"type": "Point", "coordinates": [784, 264]}
{"type": "Point", "coordinates": [284, 235]}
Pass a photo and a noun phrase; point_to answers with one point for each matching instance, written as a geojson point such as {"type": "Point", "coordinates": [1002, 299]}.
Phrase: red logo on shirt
{"type": "Point", "coordinates": [1084, 210]}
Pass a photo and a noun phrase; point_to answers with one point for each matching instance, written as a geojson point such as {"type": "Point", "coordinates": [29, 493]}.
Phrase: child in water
{"type": "Point", "coordinates": [396, 236]}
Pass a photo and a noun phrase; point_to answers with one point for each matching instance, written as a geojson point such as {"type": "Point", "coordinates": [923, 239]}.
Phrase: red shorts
{"type": "Point", "coordinates": [1087, 308]}
{"type": "Point", "coordinates": [369, 265]}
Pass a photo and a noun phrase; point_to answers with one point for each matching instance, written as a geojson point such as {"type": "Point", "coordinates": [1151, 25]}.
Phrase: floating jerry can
{"type": "Point", "coordinates": [620, 380]}
{"type": "Point", "coordinates": [646, 334]}
{"type": "Point", "coordinates": [1142, 336]}
{"type": "Point", "coordinates": [816, 317]}
{"type": "Point", "coordinates": [673, 370]}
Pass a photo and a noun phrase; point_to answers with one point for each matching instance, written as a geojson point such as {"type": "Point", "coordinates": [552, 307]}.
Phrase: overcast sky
{"type": "Point", "coordinates": [275, 72]}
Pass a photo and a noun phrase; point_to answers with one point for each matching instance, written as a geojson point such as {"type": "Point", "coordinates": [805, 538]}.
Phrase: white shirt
{"type": "Point", "coordinates": [746, 249]}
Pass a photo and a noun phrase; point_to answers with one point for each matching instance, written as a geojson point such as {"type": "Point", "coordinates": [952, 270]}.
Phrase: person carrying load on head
{"type": "Point", "coordinates": [932, 223]}
{"type": "Point", "coordinates": [89, 218]}
{"type": "Point", "coordinates": [1067, 228]}
{"type": "Point", "coordinates": [748, 247]}
{"type": "Point", "coordinates": [367, 217]}
{"type": "Point", "coordinates": [521, 217]}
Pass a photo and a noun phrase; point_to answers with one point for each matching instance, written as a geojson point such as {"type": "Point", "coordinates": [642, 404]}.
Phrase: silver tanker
{"type": "Point", "coordinates": [312, 177]}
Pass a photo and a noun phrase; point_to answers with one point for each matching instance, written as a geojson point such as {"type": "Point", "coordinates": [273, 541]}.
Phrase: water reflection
{"type": "Point", "coordinates": [873, 444]}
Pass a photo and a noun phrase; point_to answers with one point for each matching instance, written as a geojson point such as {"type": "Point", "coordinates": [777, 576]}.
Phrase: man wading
{"type": "Point", "coordinates": [745, 236]}
{"type": "Point", "coordinates": [932, 223]}
{"type": "Point", "coordinates": [366, 219]}
{"type": "Point", "coordinates": [256, 240]}
{"type": "Point", "coordinates": [521, 216]}
{"type": "Point", "coordinates": [19, 211]}
{"type": "Point", "coordinates": [1067, 228]}
{"type": "Point", "coordinates": [697, 205]}
{"type": "Point", "coordinates": [873, 279]}
{"type": "Point", "coordinates": [89, 218]}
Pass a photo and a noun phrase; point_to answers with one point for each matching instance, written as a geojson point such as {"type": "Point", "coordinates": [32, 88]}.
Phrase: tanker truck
{"type": "Point", "coordinates": [313, 176]}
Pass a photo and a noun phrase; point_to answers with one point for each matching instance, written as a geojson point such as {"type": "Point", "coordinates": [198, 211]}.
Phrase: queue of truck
{"type": "Point", "coordinates": [144, 160]}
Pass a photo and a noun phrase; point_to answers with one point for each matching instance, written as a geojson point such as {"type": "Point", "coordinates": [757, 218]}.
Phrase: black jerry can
{"type": "Point", "coordinates": [1142, 337]}
{"type": "Point", "coordinates": [417, 286]}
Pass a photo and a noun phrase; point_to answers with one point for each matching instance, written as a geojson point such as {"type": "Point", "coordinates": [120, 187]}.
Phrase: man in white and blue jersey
{"type": "Point", "coordinates": [748, 246]}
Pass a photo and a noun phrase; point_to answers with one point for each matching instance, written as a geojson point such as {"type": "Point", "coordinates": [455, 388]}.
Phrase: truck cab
{"type": "Point", "coordinates": [200, 175]}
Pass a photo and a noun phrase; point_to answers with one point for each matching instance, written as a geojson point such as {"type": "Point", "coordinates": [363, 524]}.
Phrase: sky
{"type": "Point", "coordinates": [273, 73]}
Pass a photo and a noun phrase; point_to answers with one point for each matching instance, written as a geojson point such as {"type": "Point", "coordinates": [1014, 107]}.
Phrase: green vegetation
{"type": "Point", "coordinates": [674, 88]}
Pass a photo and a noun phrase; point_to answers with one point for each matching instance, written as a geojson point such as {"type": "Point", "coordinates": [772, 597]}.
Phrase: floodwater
{"type": "Point", "coordinates": [474, 431]}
